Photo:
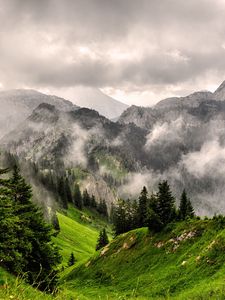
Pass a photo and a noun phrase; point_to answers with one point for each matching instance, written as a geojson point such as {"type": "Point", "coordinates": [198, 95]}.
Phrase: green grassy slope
{"type": "Point", "coordinates": [79, 231]}
{"type": "Point", "coordinates": [78, 234]}
{"type": "Point", "coordinates": [185, 263]}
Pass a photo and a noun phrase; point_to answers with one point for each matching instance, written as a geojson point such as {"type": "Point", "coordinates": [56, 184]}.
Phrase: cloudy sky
{"type": "Point", "coordinates": [138, 51]}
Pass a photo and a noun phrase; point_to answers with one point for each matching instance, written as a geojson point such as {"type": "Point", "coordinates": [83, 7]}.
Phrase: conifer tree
{"type": "Point", "coordinates": [68, 192]}
{"type": "Point", "coordinates": [93, 202]}
{"type": "Point", "coordinates": [153, 220]}
{"type": "Point", "coordinates": [72, 260]}
{"type": "Point", "coordinates": [165, 203]}
{"type": "Point", "coordinates": [102, 239]}
{"type": "Point", "coordinates": [142, 209]}
{"type": "Point", "coordinates": [40, 256]}
{"type": "Point", "coordinates": [185, 209]}
{"type": "Point", "coordinates": [62, 192]}
{"type": "Point", "coordinates": [10, 257]}
{"type": "Point", "coordinates": [86, 199]}
{"type": "Point", "coordinates": [78, 201]}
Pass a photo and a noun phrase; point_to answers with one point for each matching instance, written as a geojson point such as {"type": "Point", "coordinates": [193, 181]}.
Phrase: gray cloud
{"type": "Point", "coordinates": [123, 45]}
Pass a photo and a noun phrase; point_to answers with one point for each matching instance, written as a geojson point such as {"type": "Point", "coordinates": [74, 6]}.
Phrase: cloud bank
{"type": "Point", "coordinates": [141, 50]}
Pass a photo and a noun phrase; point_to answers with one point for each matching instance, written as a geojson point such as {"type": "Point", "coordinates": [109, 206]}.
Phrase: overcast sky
{"type": "Point", "coordinates": [138, 51]}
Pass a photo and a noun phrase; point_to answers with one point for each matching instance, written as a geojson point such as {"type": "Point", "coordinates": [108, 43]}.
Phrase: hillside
{"type": "Point", "coordinates": [181, 264]}
{"type": "Point", "coordinates": [78, 234]}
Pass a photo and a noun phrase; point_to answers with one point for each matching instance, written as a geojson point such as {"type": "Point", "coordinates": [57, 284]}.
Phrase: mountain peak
{"type": "Point", "coordinates": [45, 112]}
{"type": "Point", "coordinates": [219, 93]}
{"type": "Point", "coordinates": [221, 87]}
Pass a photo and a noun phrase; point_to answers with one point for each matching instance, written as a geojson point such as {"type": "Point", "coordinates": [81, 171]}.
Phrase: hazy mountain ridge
{"type": "Point", "coordinates": [17, 105]}
{"type": "Point", "coordinates": [170, 108]}
{"type": "Point", "coordinates": [77, 138]}
{"type": "Point", "coordinates": [184, 143]}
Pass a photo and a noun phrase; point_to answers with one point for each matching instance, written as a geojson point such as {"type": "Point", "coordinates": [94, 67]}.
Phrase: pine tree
{"type": "Point", "coordinates": [10, 257]}
{"type": "Point", "coordinates": [93, 202]}
{"type": "Point", "coordinates": [165, 203]}
{"type": "Point", "coordinates": [120, 217]}
{"type": "Point", "coordinates": [72, 260]}
{"type": "Point", "coordinates": [78, 201]}
{"type": "Point", "coordinates": [40, 256]}
{"type": "Point", "coordinates": [142, 209]}
{"type": "Point", "coordinates": [102, 239]}
{"type": "Point", "coordinates": [153, 220]}
{"type": "Point", "coordinates": [86, 199]}
{"type": "Point", "coordinates": [190, 210]}
{"type": "Point", "coordinates": [185, 209]}
{"type": "Point", "coordinates": [62, 192]}
{"type": "Point", "coordinates": [68, 192]}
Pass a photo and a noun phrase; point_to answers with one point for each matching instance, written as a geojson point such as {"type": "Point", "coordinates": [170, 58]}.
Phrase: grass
{"type": "Point", "coordinates": [184, 262]}
{"type": "Point", "coordinates": [79, 232]}
{"type": "Point", "coordinates": [187, 262]}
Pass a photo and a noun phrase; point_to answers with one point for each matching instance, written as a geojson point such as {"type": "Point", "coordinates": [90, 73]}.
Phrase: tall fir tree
{"type": "Point", "coordinates": [165, 203]}
{"type": "Point", "coordinates": [72, 260]}
{"type": "Point", "coordinates": [102, 239]}
{"type": "Point", "coordinates": [142, 209]}
{"type": "Point", "coordinates": [185, 209]}
{"type": "Point", "coordinates": [86, 199]}
{"type": "Point", "coordinates": [78, 201]}
{"type": "Point", "coordinates": [40, 255]}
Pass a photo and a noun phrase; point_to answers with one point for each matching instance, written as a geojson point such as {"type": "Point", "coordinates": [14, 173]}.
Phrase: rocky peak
{"type": "Point", "coordinates": [45, 112]}
{"type": "Point", "coordinates": [219, 93]}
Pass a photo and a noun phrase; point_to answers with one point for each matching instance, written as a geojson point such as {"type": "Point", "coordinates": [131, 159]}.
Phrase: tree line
{"type": "Point", "coordinates": [61, 183]}
{"type": "Point", "coordinates": [155, 211]}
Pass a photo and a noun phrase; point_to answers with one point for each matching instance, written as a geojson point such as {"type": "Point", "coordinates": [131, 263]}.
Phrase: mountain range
{"type": "Point", "coordinates": [179, 139]}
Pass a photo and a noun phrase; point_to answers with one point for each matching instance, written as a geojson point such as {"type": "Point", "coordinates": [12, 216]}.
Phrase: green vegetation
{"type": "Point", "coordinates": [185, 261]}
{"type": "Point", "coordinates": [111, 165]}
{"type": "Point", "coordinates": [25, 237]}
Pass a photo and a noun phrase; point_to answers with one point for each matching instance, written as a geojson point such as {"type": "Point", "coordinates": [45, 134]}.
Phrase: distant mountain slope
{"type": "Point", "coordinates": [170, 108]}
{"type": "Point", "coordinates": [17, 105]}
{"type": "Point", "coordinates": [93, 98]}
{"type": "Point", "coordinates": [80, 138]}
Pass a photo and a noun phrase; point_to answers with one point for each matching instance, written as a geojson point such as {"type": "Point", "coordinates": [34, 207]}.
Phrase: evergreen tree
{"type": "Point", "coordinates": [165, 203]}
{"type": "Point", "coordinates": [93, 202]}
{"type": "Point", "coordinates": [72, 260]}
{"type": "Point", "coordinates": [102, 239]}
{"type": "Point", "coordinates": [86, 199]}
{"type": "Point", "coordinates": [10, 257]}
{"type": "Point", "coordinates": [40, 256]}
{"type": "Point", "coordinates": [68, 192]}
{"type": "Point", "coordinates": [135, 215]}
{"type": "Point", "coordinates": [78, 201]}
{"type": "Point", "coordinates": [142, 209]}
{"type": "Point", "coordinates": [102, 208]}
{"type": "Point", "coordinates": [120, 217]}
{"type": "Point", "coordinates": [153, 220]}
{"type": "Point", "coordinates": [62, 192]}
{"type": "Point", "coordinates": [185, 209]}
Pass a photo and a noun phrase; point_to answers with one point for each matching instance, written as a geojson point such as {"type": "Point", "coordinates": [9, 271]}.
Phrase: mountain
{"type": "Point", "coordinates": [219, 94]}
{"type": "Point", "coordinates": [170, 108]}
{"type": "Point", "coordinates": [17, 105]}
{"type": "Point", "coordinates": [179, 139]}
{"type": "Point", "coordinates": [95, 99]}
{"type": "Point", "coordinates": [80, 138]}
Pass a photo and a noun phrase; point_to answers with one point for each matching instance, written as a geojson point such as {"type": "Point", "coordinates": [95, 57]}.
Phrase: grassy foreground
{"type": "Point", "coordinates": [78, 234]}
{"type": "Point", "coordinates": [185, 262]}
